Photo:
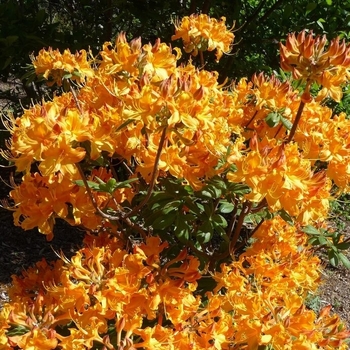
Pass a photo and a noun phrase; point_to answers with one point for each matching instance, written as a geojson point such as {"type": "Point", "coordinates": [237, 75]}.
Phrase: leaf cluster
{"type": "Point", "coordinates": [332, 242]}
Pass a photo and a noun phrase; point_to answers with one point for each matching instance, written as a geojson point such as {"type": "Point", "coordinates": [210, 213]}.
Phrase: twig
{"type": "Point", "coordinates": [245, 210]}
{"type": "Point", "coordinates": [93, 201]}
{"type": "Point", "coordinates": [252, 118]}
{"type": "Point", "coordinates": [296, 121]}
{"type": "Point", "coordinates": [233, 219]}
{"type": "Point", "coordinates": [250, 234]}
{"type": "Point", "coordinates": [75, 99]}
{"type": "Point", "coordinates": [154, 176]}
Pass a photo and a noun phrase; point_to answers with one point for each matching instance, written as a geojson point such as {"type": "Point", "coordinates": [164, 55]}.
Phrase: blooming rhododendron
{"type": "Point", "coordinates": [196, 197]}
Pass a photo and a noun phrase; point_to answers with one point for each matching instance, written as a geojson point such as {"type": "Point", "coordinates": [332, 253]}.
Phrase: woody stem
{"type": "Point", "coordinates": [154, 176]}
{"type": "Point", "coordinates": [296, 121]}
{"type": "Point", "coordinates": [245, 211]}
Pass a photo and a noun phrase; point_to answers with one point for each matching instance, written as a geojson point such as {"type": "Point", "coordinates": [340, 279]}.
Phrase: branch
{"type": "Point", "coordinates": [244, 244]}
{"type": "Point", "coordinates": [154, 176]}
{"type": "Point", "coordinates": [270, 10]}
{"type": "Point", "coordinates": [245, 210]}
{"type": "Point", "coordinates": [296, 121]}
{"type": "Point", "coordinates": [233, 219]}
{"type": "Point", "coordinates": [254, 15]}
{"type": "Point", "coordinates": [92, 198]}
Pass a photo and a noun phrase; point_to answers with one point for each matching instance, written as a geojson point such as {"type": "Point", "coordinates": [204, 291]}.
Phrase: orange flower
{"type": "Point", "coordinates": [53, 65]}
{"type": "Point", "coordinates": [307, 58]}
{"type": "Point", "coordinates": [201, 33]}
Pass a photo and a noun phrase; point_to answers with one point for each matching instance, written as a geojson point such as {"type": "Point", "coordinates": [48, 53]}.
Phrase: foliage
{"type": "Point", "coordinates": [28, 25]}
{"type": "Point", "coordinates": [332, 241]}
{"type": "Point", "coordinates": [195, 196]}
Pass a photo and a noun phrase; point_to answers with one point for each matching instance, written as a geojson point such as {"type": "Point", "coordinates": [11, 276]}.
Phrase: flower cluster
{"type": "Point", "coordinates": [54, 66]}
{"type": "Point", "coordinates": [138, 92]}
{"type": "Point", "coordinates": [202, 33]}
{"type": "Point", "coordinates": [278, 174]}
{"type": "Point", "coordinates": [106, 295]}
{"type": "Point", "coordinates": [138, 137]}
{"type": "Point", "coordinates": [306, 57]}
{"type": "Point", "coordinates": [45, 198]}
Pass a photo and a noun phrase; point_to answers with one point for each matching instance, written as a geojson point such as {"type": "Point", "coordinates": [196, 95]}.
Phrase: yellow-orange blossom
{"type": "Point", "coordinates": [121, 109]}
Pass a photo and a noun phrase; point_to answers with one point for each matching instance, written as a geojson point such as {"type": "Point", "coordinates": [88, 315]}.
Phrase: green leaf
{"type": "Point", "coordinates": [345, 261]}
{"type": "Point", "coordinates": [239, 189]}
{"type": "Point", "coordinates": [310, 230]}
{"type": "Point", "coordinates": [208, 209]}
{"type": "Point", "coordinates": [218, 182]}
{"type": "Point", "coordinates": [205, 232]}
{"type": "Point", "coordinates": [218, 220]}
{"type": "Point", "coordinates": [67, 76]}
{"type": "Point", "coordinates": [210, 191]}
{"type": "Point", "coordinates": [17, 330]}
{"type": "Point", "coordinates": [313, 241]}
{"type": "Point", "coordinates": [226, 207]}
{"type": "Point", "coordinates": [287, 11]}
{"type": "Point", "coordinates": [182, 229]}
{"type": "Point", "coordinates": [7, 62]}
{"type": "Point", "coordinates": [286, 123]}
{"type": "Point", "coordinates": [329, 2]}
{"type": "Point", "coordinates": [205, 193]}
{"type": "Point", "coordinates": [196, 208]}
{"type": "Point", "coordinates": [109, 186]}
{"type": "Point", "coordinates": [286, 217]}
{"type": "Point", "coordinates": [76, 73]}
{"type": "Point", "coordinates": [319, 22]}
{"type": "Point", "coordinates": [273, 119]}
{"type": "Point", "coordinates": [310, 7]}
{"type": "Point", "coordinates": [222, 232]}
{"type": "Point", "coordinates": [91, 184]}
{"type": "Point", "coordinates": [343, 245]}
{"type": "Point", "coordinates": [164, 221]}
{"type": "Point", "coordinates": [171, 206]}
{"type": "Point", "coordinates": [333, 258]}
{"type": "Point", "coordinates": [335, 237]}
{"type": "Point", "coordinates": [160, 196]}
{"type": "Point", "coordinates": [322, 240]}
{"type": "Point", "coordinates": [125, 184]}
{"type": "Point", "coordinates": [9, 40]}
{"type": "Point", "coordinates": [123, 125]}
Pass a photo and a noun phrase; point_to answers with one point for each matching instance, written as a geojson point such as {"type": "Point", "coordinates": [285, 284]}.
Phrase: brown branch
{"type": "Point", "coordinates": [270, 10]}
{"type": "Point", "coordinates": [154, 176]}
{"type": "Point", "coordinates": [250, 234]}
{"type": "Point", "coordinates": [252, 118]}
{"type": "Point", "coordinates": [136, 227]}
{"type": "Point", "coordinates": [296, 121]}
{"type": "Point", "coordinates": [75, 98]}
{"type": "Point", "coordinates": [245, 210]}
{"type": "Point", "coordinates": [254, 15]}
{"type": "Point", "coordinates": [233, 219]}
{"type": "Point", "coordinates": [260, 206]}
{"type": "Point", "coordinates": [92, 198]}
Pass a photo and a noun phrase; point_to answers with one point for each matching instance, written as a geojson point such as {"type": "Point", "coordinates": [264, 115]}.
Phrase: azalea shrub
{"type": "Point", "coordinates": [201, 200]}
